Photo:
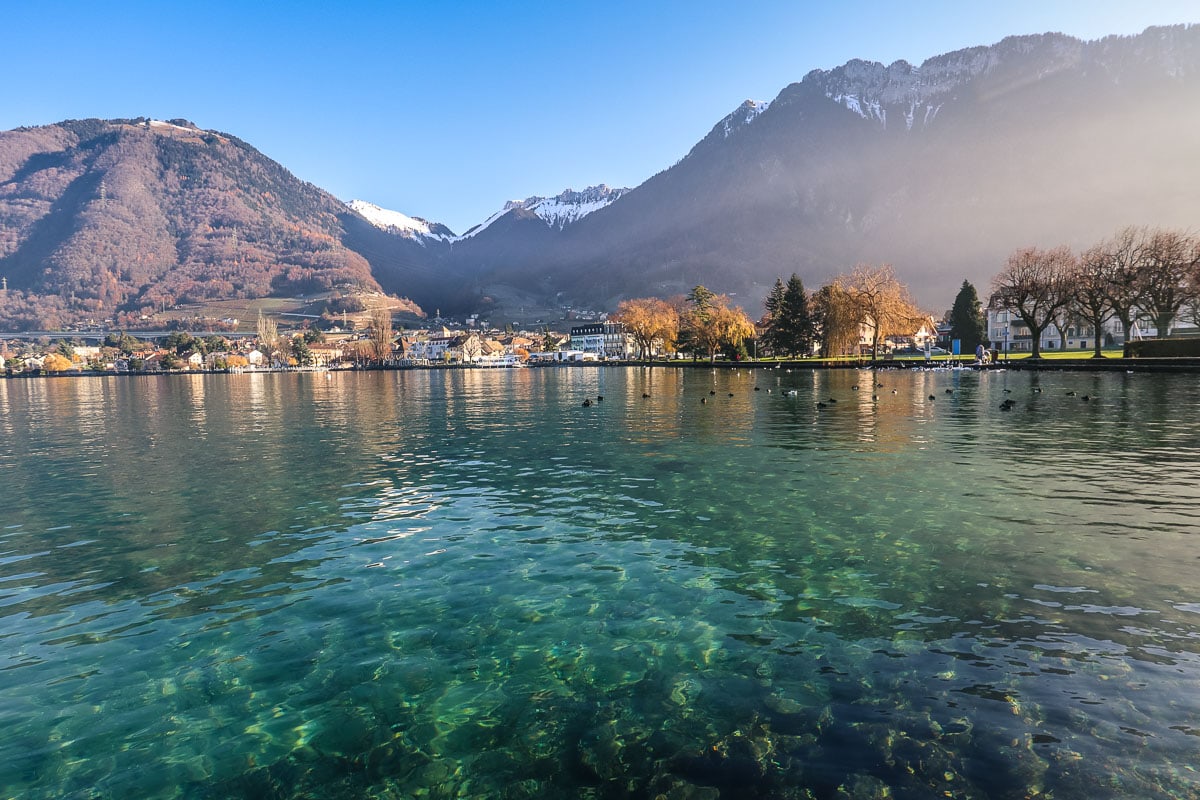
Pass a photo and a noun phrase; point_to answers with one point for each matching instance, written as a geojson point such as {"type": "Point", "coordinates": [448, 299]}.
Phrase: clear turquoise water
{"type": "Point", "coordinates": [465, 584]}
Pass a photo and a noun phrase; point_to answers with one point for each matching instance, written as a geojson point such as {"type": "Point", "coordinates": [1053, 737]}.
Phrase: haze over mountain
{"type": "Point", "coordinates": [941, 169]}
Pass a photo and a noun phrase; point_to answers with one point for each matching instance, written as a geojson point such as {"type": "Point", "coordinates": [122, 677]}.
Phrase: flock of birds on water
{"type": "Point", "coordinates": [1007, 405]}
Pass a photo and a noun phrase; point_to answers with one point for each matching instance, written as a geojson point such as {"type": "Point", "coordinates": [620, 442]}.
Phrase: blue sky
{"type": "Point", "coordinates": [446, 110]}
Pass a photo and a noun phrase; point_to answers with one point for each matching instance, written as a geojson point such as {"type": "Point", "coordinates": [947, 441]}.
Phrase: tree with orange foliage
{"type": "Point", "coordinates": [712, 322]}
{"type": "Point", "coordinates": [883, 303]}
{"type": "Point", "coordinates": [649, 320]}
{"type": "Point", "coordinates": [57, 362]}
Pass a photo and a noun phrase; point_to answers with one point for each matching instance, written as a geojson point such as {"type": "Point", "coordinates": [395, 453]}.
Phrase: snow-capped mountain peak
{"type": "Point", "coordinates": [572, 206]}
{"type": "Point", "coordinates": [557, 212]}
{"type": "Point", "coordinates": [395, 222]}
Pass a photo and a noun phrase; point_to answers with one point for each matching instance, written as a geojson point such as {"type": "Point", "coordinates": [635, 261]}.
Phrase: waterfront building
{"type": "Point", "coordinates": [604, 339]}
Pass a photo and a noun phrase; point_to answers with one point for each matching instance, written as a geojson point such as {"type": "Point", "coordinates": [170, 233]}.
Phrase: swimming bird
{"type": "Point", "coordinates": [1037, 390]}
{"type": "Point", "coordinates": [599, 397]}
{"type": "Point", "coordinates": [855, 387]}
{"type": "Point", "coordinates": [712, 391]}
{"type": "Point", "coordinates": [791, 393]}
{"type": "Point", "coordinates": [731, 394]}
{"type": "Point", "coordinates": [645, 395]}
{"type": "Point", "coordinates": [1007, 405]}
{"type": "Point", "coordinates": [833, 399]}
{"type": "Point", "coordinates": [703, 400]}
{"type": "Point", "coordinates": [1085, 398]}
{"type": "Point", "coordinates": [821, 405]}
{"type": "Point", "coordinates": [933, 397]}
{"type": "Point", "coordinates": [759, 389]}
{"type": "Point", "coordinates": [587, 403]}
{"type": "Point", "coordinates": [949, 391]}
{"type": "Point", "coordinates": [1071, 394]}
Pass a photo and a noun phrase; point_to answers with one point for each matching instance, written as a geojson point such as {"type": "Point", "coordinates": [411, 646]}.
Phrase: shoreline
{"type": "Point", "coordinates": [1088, 364]}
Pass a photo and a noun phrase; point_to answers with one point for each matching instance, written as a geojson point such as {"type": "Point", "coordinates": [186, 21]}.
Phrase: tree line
{"type": "Point", "coordinates": [832, 321]}
{"type": "Point", "coordinates": [1139, 272]}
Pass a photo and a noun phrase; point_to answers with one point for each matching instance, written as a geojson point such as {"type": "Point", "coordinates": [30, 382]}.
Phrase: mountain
{"type": "Point", "coordinates": [941, 169]}
{"type": "Point", "coordinates": [556, 212]}
{"type": "Point", "coordinates": [401, 224]}
{"type": "Point", "coordinates": [115, 218]}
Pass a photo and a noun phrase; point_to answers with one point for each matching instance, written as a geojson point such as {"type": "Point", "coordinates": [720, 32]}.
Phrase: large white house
{"type": "Point", "coordinates": [1008, 334]}
{"type": "Point", "coordinates": [605, 339]}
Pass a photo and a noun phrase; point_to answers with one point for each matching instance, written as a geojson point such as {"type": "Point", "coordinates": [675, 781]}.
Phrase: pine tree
{"type": "Point", "coordinates": [772, 320]}
{"type": "Point", "coordinates": [967, 321]}
{"type": "Point", "coordinates": [798, 318]}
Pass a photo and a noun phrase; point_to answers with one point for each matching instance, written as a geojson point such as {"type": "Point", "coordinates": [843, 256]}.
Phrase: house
{"type": "Point", "coordinates": [1007, 333]}
{"type": "Point", "coordinates": [426, 347]}
{"type": "Point", "coordinates": [325, 354]}
{"type": "Point", "coordinates": [256, 358]}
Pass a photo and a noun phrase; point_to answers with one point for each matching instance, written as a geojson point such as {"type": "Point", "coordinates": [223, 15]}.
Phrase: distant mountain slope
{"type": "Point", "coordinates": [104, 217]}
{"type": "Point", "coordinates": [941, 169]}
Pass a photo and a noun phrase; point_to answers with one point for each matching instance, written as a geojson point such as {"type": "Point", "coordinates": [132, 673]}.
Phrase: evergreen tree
{"type": "Point", "coordinates": [967, 320]}
{"type": "Point", "coordinates": [798, 326]}
{"type": "Point", "coordinates": [772, 320]}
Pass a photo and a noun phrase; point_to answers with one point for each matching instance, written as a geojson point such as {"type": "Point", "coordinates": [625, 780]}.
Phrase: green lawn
{"type": "Point", "coordinates": [1108, 352]}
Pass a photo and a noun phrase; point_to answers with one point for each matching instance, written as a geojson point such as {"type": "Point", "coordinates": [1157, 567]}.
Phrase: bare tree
{"type": "Point", "coordinates": [1168, 260]}
{"type": "Point", "coordinates": [1092, 292]}
{"type": "Point", "coordinates": [1121, 258]}
{"type": "Point", "coordinates": [381, 333]}
{"type": "Point", "coordinates": [1033, 283]}
{"type": "Point", "coordinates": [268, 333]}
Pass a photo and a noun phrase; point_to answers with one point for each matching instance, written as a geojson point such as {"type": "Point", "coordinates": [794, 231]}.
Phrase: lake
{"type": "Point", "coordinates": [464, 583]}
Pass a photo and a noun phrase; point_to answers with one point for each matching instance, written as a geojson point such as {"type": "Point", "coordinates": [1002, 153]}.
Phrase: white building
{"type": "Point", "coordinates": [1007, 333]}
{"type": "Point", "coordinates": [604, 339]}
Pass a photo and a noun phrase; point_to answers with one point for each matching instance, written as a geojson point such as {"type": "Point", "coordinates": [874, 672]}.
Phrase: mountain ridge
{"type": "Point", "coordinates": [940, 169]}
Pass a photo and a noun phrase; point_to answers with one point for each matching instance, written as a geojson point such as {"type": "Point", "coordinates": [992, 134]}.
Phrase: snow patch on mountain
{"type": "Point", "coordinates": [746, 113]}
{"type": "Point", "coordinates": [571, 206]}
{"type": "Point", "coordinates": [395, 222]}
{"type": "Point", "coordinates": [557, 212]}
{"type": "Point", "coordinates": [870, 89]}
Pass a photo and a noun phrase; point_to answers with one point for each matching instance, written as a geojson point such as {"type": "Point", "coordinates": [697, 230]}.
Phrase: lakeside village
{"type": "Point", "coordinates": [473, 344]}
{"type": "Point", "coordinates": [1141, 284]}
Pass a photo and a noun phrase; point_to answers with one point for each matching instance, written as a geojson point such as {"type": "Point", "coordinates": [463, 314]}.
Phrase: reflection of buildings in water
{"type": "Point", "coordinates": [6, 410]}
{"type": "Point", "coordinates": [198, 418]}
